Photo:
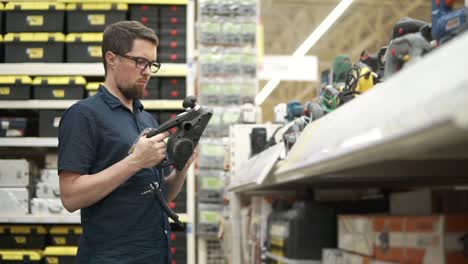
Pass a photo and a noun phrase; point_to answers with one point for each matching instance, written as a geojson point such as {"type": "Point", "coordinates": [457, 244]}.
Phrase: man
{"type": "Point", "coordinates": [98, 176]}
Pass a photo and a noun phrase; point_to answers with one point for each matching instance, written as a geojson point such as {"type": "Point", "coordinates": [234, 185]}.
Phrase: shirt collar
{"type": "Point", "coordinates": [114, 102]}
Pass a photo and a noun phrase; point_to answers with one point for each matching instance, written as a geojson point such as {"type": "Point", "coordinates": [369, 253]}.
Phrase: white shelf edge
{"type": "Point", "coordinates": [29, 142]}
{"type": "Point", "coordinates": [64, 104]}
{"type": "Point", "coordinates": [53, 219]}
{"type": "Point", "coordinates": [85, 69]}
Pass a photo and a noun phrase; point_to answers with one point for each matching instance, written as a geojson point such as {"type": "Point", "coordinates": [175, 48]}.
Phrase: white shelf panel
{"type": "Point", "coordinates": [64, 104]}
{"type": "Point", "coordinates": [85, 69]}
{"type": "Point", "coordinates": [29, 142]}
{"type": "Point", "coordinates": [40, 219]}
{"type": "Point", "coordinates": [53, 219]}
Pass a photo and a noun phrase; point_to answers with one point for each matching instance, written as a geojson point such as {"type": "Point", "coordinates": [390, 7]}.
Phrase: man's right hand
{"type": "Point", "coordinates": [149, 152]}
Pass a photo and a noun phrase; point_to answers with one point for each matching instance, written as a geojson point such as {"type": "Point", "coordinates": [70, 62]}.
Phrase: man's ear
{"type": "Point", "coordinates": [110, 59]}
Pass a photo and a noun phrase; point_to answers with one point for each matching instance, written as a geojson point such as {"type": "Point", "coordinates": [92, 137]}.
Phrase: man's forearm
{"type": "Point", "coordinates": [82, 191]}
{"type": "Point", "coordinates": [174, 182]}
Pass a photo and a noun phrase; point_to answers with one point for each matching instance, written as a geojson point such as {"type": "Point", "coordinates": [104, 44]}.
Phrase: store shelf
{"type": "Point", "coordinates": [290, 261]}
{"type": "Point", "coordinates": [64, 104]}
{"type": "Point", "coordinates": [85, 69]}
{"type": "Point", "coordinates": [413, 126]}
{"type": "Point", "coordinates": [53, 219]}
{"type": "Point", "coordinates": [154, 2]}
{"type": "Point", "coordinates": [29, 142]}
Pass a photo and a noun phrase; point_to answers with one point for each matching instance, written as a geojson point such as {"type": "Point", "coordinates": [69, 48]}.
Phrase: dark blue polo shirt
{"type": "Point", "coordinates": [124, 227]}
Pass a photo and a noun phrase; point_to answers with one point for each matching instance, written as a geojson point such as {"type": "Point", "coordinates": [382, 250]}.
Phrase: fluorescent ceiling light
{"type": "Point", "coordinates": [306, 46]}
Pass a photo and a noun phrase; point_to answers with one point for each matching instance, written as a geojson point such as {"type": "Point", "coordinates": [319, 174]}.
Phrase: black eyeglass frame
{"type": "Point", "coordinates": [147, 64]}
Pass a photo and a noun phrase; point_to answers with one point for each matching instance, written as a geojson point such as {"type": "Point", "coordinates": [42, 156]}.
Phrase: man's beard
{"type": "Point", "coordinates": [131, 93]}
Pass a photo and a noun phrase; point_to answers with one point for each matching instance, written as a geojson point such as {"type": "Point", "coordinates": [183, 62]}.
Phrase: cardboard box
{"type": "Point", "coordinates": [49, 206]}
{"type": "Point", "coordinates": [48, 190]}
{"type": "Point", "coordinates": [14, 173]}
{"type": "Point", "coordinates": [336, 256]}
{"type": "Point", "coordinates": [51, 160]}
{"type": "Point", "coordinates": [427, 202]}
{"type": "Point", "coordinates": [437, 239]}
{"type": "Point", "coordinates": [14, 200]}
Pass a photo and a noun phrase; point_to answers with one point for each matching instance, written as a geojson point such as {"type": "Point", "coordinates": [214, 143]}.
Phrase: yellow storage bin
{"type": "Point", "coordinates": [34, 17]}
{"type": "Point", "coordinates": [34, 47]}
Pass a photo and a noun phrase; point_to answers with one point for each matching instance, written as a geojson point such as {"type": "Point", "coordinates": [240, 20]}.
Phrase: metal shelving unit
{"type": "Point", "coordinates": [418, 119]}
{"type": "Point", "coordinates": [409, 131]}
{"type": "Point", "coordinates": [95, 70]}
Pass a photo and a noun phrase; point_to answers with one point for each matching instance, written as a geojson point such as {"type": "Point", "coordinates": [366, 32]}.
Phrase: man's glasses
{"type": "Point", "coordinates": [142, 63]}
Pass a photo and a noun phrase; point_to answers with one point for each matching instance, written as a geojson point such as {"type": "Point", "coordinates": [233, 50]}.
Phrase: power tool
{"type": "Point", "coordinates": [359, 79]}
{"type": "Point", "coordinates": [294, 109]}
{"type": "Point", "coordinates": [189, 127]}
{"type": "Point", "coordinates": [407, 25]}
{"type": "Point", "coordinates": [446, 22]}
{"type": "Point", "coordinates": [403, 49]}
{"type": "Point", "coordinates": [341, 66]}
{"type": "Point", "coordinates": [313, 111]}
{"type": "Point", "coordinates": [330, 98]}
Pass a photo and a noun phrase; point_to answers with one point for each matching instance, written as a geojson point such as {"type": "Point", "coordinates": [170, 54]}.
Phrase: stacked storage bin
{"type": "Point", "coordinates": [34, 32]}
{"type": "Point", "coordinates": [173, 22]}
{"type": "Point", "coordinates": [14, 88]}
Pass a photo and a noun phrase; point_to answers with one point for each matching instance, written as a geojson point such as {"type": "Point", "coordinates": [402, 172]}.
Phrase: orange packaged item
{"type": "Point", "coordinates": [438, 239]}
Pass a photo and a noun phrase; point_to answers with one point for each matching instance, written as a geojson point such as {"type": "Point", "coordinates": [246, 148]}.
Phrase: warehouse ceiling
{"type": "Point", "coordinates": [367, 24]}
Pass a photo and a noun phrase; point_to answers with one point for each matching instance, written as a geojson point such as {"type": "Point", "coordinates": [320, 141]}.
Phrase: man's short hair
{"type": "Point", "coordinates": [118, 37]}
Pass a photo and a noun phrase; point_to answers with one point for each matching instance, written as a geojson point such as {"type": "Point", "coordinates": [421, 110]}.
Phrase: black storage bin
{"type": "Point", "coordinates": [179, 254]}
{"type": "Point", "coordinates": [172, 46]}
{"type": "Point", "coordinates": [20, 256]}
{"type": "Point", "coordinates": [179, 205]}
{"type": "Point", "coordinates": [13, 126]}
{"type": "Point", "coordinates": [34, 17]}
{"type": "Point", "coordinates": [34, 47]}
{"type": "Point", "coordinates": [148, 15]}
{"type": "Point", "coordinates": [60, 255]}
{"type": "Point", "coordinates": [59, 87]}
{"type": "Point", "coordinates": [15, 87]}
{"type": "Point", "coordinates": [172, 57]}
{"type": "Point", "coordinates": [179, 239]}
{"type": "Point", "coordinates": [49, 121]}
{"type": "Point", "coordinates": [84, 47]}
{"type": "Point", "coordinates": [22, 237]}
{"type": "Point", "coordinates": [173, 31]}
{"type": "Point", "coordinates": [173, 10]}
{"type": "Point", "coordinates": [173, 88]}
{"type": "Point", "coordinates": [65, 235]}
{"type": "Point", "coordinates": [152, 89]}
{"type": "Point", "coordinates": [92, 88]}
{"type": "Point", "coordinates": [94, 17]}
